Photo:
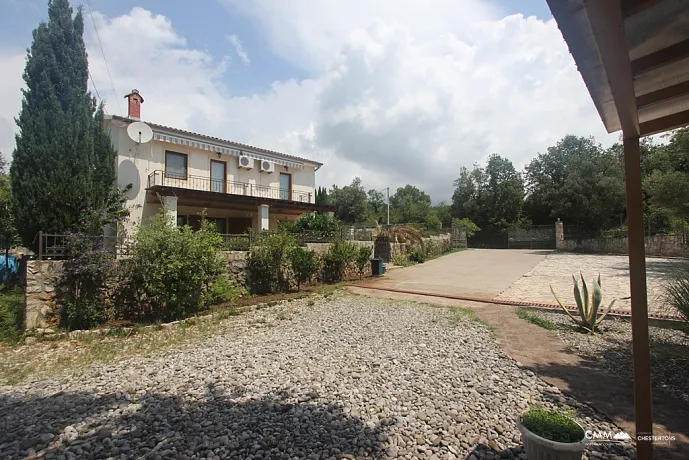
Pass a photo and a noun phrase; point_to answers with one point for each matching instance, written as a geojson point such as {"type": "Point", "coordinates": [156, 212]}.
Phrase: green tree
{"type": "Point", "coordinates": [64, 163]}
{"type": "Point", "coordinates": [349, 202]}
{"type": "Point", "coordinates": [322, 196]}
{"type": "Point", "coordinates": [490, 196]}
{"type": "Point", "coordinates": [411, 205]}
{"type": "Point", "coordinates": [667, 181]}
{"type": "Point", "coordinates": [377, 206]}
{"type": "Point", "coordinates": [578, 182]}
{"type": "Point", "coordinates": [443, 212]}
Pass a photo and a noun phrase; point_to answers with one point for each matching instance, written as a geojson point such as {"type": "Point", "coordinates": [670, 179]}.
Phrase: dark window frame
{"type": "Point", "coordinates": [186, 166]}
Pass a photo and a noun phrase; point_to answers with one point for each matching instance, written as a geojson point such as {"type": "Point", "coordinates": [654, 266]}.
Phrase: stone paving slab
{"type": "Point", "coordinates": [557, 268]}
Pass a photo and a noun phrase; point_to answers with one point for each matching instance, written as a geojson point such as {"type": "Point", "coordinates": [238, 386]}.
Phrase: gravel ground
{"type": "Point", "coordinates": [349, 377]}
{"type": "Point", "coordinates": [613, 349]}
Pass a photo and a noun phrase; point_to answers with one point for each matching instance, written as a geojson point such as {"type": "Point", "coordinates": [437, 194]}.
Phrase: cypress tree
{"type": "Point", "coordinates": [64, 163]}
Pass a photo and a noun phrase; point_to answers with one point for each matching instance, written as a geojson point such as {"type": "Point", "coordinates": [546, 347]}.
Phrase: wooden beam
{"type": "Point", "coordinates": [641, 352]}
{"type": "Point", "coordinates": [607, 25]}
{"type": "Point", "coordinates": [661, 58]}
{"type": "Point", "coordinates": [632, 7]}
{"type": "Point", "coordinates": [664, 94]}
{"type": "Point", "coordinates": [676, 120]}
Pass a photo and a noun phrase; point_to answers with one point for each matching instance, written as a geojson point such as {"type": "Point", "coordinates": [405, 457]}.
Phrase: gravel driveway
{"type": "Point", "coordinates": [348, 377]}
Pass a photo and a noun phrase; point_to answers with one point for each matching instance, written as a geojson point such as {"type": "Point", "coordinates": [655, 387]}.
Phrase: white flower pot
{"type": "Point", "coordinates": [538, 448]}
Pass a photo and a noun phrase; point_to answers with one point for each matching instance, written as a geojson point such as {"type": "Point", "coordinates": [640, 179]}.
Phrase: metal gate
{"type": "Point", "coordinates": [381, 248]}
{"type": "Point", "coordinates": [531, 237]}
{"type": "Point", "coordinates": [459, 237]}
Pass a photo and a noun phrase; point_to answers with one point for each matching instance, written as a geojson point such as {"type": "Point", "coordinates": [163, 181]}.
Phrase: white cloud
{"type": "Point", "coordinates": [12, 65]}
{"type": "Point", "coordinates": [239, 48]}
{"type": "Point", "coordinates": [397, 95]}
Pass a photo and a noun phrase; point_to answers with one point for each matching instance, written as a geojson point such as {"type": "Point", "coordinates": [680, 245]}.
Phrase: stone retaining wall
{"type": "Point", "coordinates": [39, 296]}
{"type": "Point", "coordinates": [440, 244]}
{"type": "Point", "coordinates": [662, 245]}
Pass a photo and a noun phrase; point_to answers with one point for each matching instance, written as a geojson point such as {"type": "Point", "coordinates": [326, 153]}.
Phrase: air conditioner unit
{"type": "Point", "coordinates": [267, 166]}
{"type": "Point", "coordinates": [246, 162]}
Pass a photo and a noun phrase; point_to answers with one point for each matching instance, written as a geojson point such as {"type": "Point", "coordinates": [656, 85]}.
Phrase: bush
{"type": "Point", "coordinates": [11, 314]}
{"type": "Point", "coordinates": [465, 222]}
{"type": "Point", "coordinates": [677, 293]}
{"type": "Point", "coordinates": [338, 259]}
{"type": "Point", "coordinates": [168, 270]}
{"type": "Point", "coordinates": [417, 255]}
{"type": "Point", "coordinates": [363, 257]}
{"type": "Point", "coordinates": [433, 223]}
{"type": "Point", "coordinates": [222, 291]}
{"type": "Point", "coordinates": [304, 265]}
{"type": "Point", "coordinates": [267, 263]}
{"type": "Point", "coordinates": [81, 289]}
{"type": "Point", "coordinates": [402, 260]}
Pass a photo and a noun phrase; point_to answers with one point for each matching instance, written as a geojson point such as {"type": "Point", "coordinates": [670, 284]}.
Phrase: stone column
{"type": "Point", "coordinates": [559, 234]}
{"type": "Point", "coordinates": [263, 217]}
{"type": "Point", "coordinates": [170, 208]}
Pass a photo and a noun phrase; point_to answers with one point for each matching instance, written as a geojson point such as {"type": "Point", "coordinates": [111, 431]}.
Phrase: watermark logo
{"type": "Point", "coordinates": [610, 436]}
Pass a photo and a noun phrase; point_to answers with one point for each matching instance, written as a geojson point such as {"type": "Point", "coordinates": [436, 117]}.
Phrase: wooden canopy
{"type": "Point", "coordinates": [634, 58]}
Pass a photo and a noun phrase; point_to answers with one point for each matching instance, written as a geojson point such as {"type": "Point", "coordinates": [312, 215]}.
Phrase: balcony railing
{"type": "Point", "coordinates": [201, 183]}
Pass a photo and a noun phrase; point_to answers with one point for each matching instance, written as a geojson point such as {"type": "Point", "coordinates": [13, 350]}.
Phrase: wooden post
{"type": "Point", "coordinates": [637, 278]}
{"type": "Point", "coordinates": [40, 245]}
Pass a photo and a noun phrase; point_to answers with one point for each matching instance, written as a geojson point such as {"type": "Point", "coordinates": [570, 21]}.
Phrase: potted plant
{"type": "Point", "coordinates": [551, 435]}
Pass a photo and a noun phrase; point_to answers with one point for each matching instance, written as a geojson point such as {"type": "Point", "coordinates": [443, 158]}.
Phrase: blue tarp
{"type": "Point", "coordinates": [10, 262]}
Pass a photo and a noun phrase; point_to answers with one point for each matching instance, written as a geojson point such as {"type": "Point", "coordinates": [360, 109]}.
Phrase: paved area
{"type": "Point", "coordinates": [346, 377]}
{"type": "Point", "coordinates": [476, 272]}
{"type": "Point", "coordinates": [556, 269]}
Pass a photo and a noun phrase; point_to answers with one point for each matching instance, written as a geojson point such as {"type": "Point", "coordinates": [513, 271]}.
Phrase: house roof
{"type": "Point", "coordinates": [634, 58]}
{"type": "Point", "coordinates": [244, 148]}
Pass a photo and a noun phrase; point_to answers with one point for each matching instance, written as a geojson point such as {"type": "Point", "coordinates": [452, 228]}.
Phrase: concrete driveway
{"type": "Point", "coordinates": [475, 272]}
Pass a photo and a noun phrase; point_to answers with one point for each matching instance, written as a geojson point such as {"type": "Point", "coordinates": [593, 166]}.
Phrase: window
{"type": "Point", "coordinates": [175, 165]}
{"type": "Point", "coordinates": [181, 221]}
{"type": "Point", "coordinates": [285, 186]}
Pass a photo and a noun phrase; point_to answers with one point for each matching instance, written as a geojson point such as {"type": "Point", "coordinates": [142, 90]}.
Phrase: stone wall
{"type": "Point", "coordinates": [236, 264]}
{"type": "Point", "coordinates": [41, 276]}
{"type": "Point", "coordinates": [661, 245]}
{"type": "Point", "coordinates": [439, 244]}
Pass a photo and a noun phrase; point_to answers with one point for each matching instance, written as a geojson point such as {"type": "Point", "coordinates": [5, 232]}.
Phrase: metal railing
{"type": "Point", "coordinates": [201, 183]}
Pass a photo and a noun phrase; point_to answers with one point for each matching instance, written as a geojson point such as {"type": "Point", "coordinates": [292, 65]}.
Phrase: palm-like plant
{"type": "Point", "coordinates": [588, 307]}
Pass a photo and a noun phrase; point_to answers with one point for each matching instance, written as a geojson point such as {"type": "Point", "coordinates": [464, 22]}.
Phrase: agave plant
{"type": "Point", "coordinates": [588, 307]}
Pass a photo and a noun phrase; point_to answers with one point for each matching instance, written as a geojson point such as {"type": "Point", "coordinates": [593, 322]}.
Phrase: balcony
{"type": "Point", "coordinates": [158, 178]}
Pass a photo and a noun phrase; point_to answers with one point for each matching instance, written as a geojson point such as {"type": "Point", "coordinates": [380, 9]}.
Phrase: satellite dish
{"type": "Point", "coordinates": [140, 132]}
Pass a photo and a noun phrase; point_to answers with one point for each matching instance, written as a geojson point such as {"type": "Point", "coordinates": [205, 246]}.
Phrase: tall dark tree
{"type": "Point", "coordinates": [322, 196]}
{"type": "Point", "coordinates": [8, 231]}
{"type": "Point", "coordinates": [349, 202]}
{"type": "Point", "coordinates": [409, 204]}
{"type": "Point", "coordinates": [578, 182]}
{"type": "Point", "coordinates": [64, 163]}
{"type": "Point", "coordinates": [490, 196]}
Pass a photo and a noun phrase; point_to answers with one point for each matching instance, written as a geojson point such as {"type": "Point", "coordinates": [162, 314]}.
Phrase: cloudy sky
{"type": "Point", "coordinates": [393, 91]}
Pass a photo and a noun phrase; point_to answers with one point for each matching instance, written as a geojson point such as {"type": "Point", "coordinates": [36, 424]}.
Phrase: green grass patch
{"type": "Point", "coordinates": [529, 315]}
{"type": "Point", "coordinates": [11, 314]}
{"type": "Point", "coordinates": [466, 313]}
{"type": "Point", "coordinates": [553, 425]}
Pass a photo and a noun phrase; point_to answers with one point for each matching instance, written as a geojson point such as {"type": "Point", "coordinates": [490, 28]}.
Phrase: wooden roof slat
{"type": "Point", "coordinates": [659, 125]}
{"type": "Point", "coordinates": [664, 94]}
{"type": "Point", "coordinates": [632, 7]}
{"type": "Point", "coordinates": [661, 58]}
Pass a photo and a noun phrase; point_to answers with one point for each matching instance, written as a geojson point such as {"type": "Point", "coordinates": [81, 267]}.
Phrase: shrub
{"type": "Point", "coordinates": [433, 223]}
{"type": "Point", "coordinates": [363, 257]}
{"type": "Point", "coordinates": [11, 314]}
{"type": "Point", "coordinates": [338, 259]}
{"type": "Point", "coordinates": [81, 288]}
{"type": "Point", "coordinates": [267, 262]}
{"type": "Point", "coordinates": [553, 425]}
{"type": "Point", "coordinates": [417, 255]}
{"type": "Point", "coordinates": [402, 260]}
{"type": "Point", "coordinates": [677, 293]}
{"type": "Point", "coordinates": [465, 222]}
{"type": "Point", "coordinates": [222, 291]}
{"type": "Point", "coordinates": [304, 265]}
{"type": "Point", "coordinates": [168, 270]}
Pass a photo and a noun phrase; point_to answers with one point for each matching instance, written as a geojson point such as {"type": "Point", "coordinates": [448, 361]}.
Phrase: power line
{"type": "Point", "coordinates": [112, 84]}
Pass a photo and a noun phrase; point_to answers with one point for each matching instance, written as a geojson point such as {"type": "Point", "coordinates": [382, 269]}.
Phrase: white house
{"type": "Point", "coordinates": [238, 185]}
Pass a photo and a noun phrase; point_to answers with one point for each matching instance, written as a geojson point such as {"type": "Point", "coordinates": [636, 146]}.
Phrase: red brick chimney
{"type": "Point", "coordinates": [135, 101]}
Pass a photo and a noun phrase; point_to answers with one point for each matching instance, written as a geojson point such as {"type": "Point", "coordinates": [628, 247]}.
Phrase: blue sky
{"type": "Point", "coordinates": [391, 91]}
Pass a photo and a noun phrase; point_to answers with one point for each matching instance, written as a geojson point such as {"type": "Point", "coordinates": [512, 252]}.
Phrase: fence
{"type": "Point", "coordinates": [59, 247]}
